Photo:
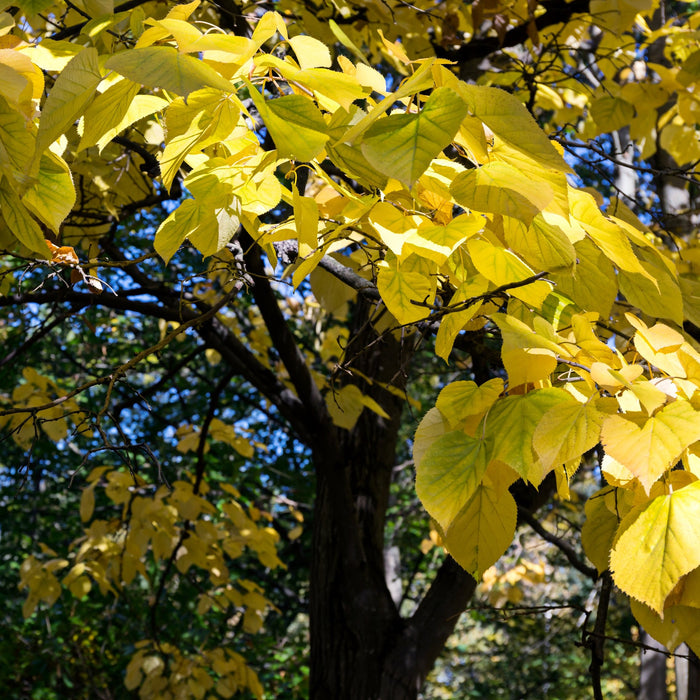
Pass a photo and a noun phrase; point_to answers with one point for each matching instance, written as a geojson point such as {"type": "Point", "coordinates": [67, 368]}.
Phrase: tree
{"type": "Point", "coordinates": [338, 194]}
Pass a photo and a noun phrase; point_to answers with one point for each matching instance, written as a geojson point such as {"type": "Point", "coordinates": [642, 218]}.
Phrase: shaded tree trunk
{"type": "Point", "coordinates": [361, 648]}
{"type": "Point", "coordinates": [687, 674]}
{"type": "Point", "coordinates": [652, 670]}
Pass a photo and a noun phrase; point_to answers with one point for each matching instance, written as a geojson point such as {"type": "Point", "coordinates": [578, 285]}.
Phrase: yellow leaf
{"type": "Point", "coordinates": [400, 283]}
{"type": "Point", "coordinates": [462, 399]}
{"type": "Point", "coordinates": [543, 244]}
{"type": "Point", "coordinates": [593, 285]}
{"type": "Point", "coordinates": [499, 188]}
{"type": "Point", "coordinates": [52, 196]}
{"type": "Point", "coordinates": [295, 123]}
{"type": "Point", "coordinates": [501, 267]}
{"type": "Point", "coordinates": [449, 475]}
{"type": "Point", "coordinates": [567, 431]}
{"type": "Point", "coordinates": [306, 222]}
{"type": "Point", "coordinates": [87, 502]}
{"type": "Point", "coordinates": [173, 231]}
{"type": "Point", "coordinates": [403, 145]}
{"type": "Point", "coordinates": [608, 236]}
{"type": "Point", "coordinates": [165, 67]}
{"type": "Point", "coordinates": [20, 221]}
{"type": "Point", "coordinates": [345, 406]}
{"type": "Point", "coordinates": [657, 294]}
{"type": "Point", "coordinates": [439, 242]}
{"type": "Point", "coordinates": [598, 531]}
{"type": "Point", "coordinates": [17, 143]}
{"type": "Point", "coordinates": [393, 226]}
{"type": "Point", "coordinates": [650, 450]}
{"type": "Point", "coordinates": [509, 119]}
{"type": "Point", "coordinates": [310, 52]}
{"type": "Point", "coordinates": [615, 474]}
{"type": "Point", "coordinates": [73, 91]}
{"type": "Point", "coordinates": [611, 113]}
{"type": "Point", "coordinates": [141, 106]}
{"type": "Point", "coordinates": [453, 322]}
{"type": "Point", "coordinates": [511, 424]}
{"type": "Point", "coordinates": [483, 530]}
{"type": "Point", "coordinates": [657, 543]}
{"type": "Point", "coordinates": [431, 427]}
{"type": "Point", "coordinates": [679, 624]}
{"type": "Point", "coordinates": [107, 111]}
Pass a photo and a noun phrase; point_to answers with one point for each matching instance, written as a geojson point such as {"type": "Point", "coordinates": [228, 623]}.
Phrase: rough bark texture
{"type": "Point", "coordinates": [361, 648]}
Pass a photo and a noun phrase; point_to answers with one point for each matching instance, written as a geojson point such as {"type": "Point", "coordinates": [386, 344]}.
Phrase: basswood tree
{"type": "Point", "coordinates": [333, 191]}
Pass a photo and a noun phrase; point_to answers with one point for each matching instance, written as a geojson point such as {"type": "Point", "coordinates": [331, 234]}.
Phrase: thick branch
{"type": "Point", "coordinates": [424, 637]}
{"type": "Point", "coordinates": [478, 48]}
{"type": "Point", "coordinates": [315, 411]}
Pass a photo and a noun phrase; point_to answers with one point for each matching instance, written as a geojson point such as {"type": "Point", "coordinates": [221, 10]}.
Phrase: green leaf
{"type": "Point", "coordinates": [402, 146]}
{"type": "Point", "coordinates": [510, 426]}
{"type": "Point", "coordinates": [166, 68]}
{"type": "Point", "coordinates": [449, 474]}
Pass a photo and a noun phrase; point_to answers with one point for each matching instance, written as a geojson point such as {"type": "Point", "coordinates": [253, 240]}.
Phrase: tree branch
{"type": "Point", "coordinates": [315, 412]}
{"type": "Point", "coordinates": [478, 48]}
{"type": "Point", "coordinates": [566, 549]}
{"type": "Point", "coordinates": [75, 29]}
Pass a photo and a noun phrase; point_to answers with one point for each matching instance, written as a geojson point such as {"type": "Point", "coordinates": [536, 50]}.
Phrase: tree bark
{"type": "Point", "coordinates": [361, 648]}
{"type": "Point", "coordinates": [652, 670]}
{"type": "Point", "coordinates": [687, 674]}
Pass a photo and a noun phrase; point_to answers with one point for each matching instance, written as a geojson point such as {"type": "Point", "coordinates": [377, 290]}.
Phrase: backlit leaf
{"type": "Point", "coordinates": [449, 474]}
{"type": "Point", "coordinates": [567, 431]}
{"type": "Point", "coordinates": [483, 530]}
{"type": "Point", "coordinates": [402, 145]}
{"type": "Point", "coordinates": [511, 424]}
{"type": "Point", "coordinates": [499, 188]}
{"type": "Point", "coordinates": [72, 93]}
{"type": "Point", "coordinates": [658, 542]}
{"type": "Point", "coordinates": [406, 287]}
{"type": "Point", "coordinates": [165, 67]}
{"type": "Point", "coordinates": [654, 446]}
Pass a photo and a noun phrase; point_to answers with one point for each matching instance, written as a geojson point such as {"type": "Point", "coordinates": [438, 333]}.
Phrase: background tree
{"type": "Point", "coordinates": [336, 195]}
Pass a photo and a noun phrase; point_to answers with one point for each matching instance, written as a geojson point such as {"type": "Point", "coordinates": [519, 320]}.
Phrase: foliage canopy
{"type": "Point", "coordinates": [300, 205]}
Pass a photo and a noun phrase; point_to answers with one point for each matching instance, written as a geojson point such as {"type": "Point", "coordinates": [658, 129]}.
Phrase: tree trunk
{"type": "Point", "coordinates": [687, 674]}
{"type": "Point", "coordinates": [652, 670]}
{"type": "Point", "coordinates": [361, 648]}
